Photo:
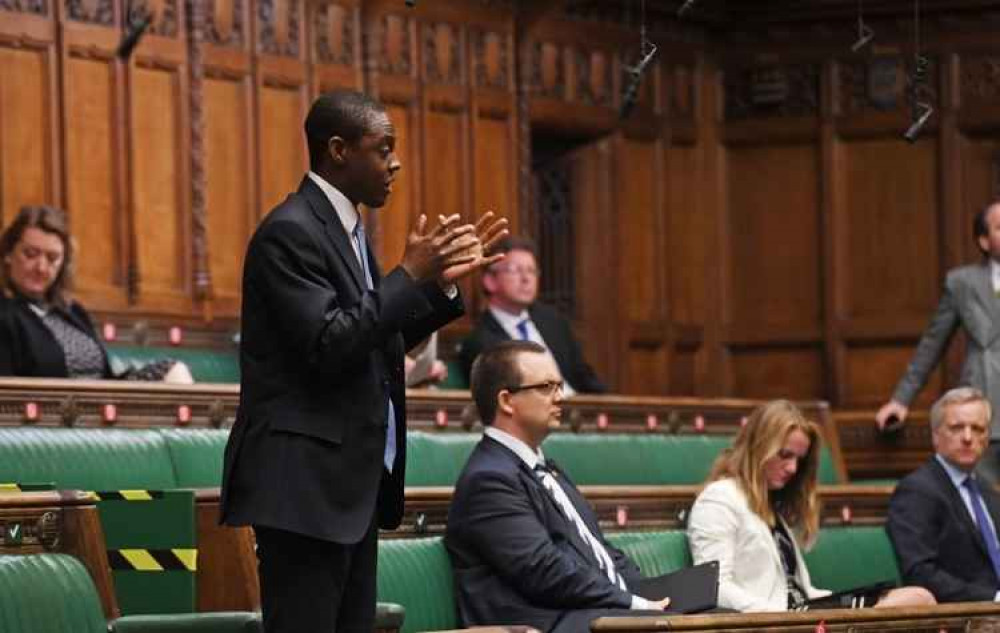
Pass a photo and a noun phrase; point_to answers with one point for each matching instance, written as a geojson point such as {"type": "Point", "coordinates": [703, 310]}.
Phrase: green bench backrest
{"type": "Point", "coordinates": [48, 593]}
{"type": "Point", "coordinates": [86, 459]}
{"type": "Point", "coordinates": [207, 365]}
{"type": "Point", "coordinates": [848, 557]}
{"type": "Point", "coordinates": [416, 573]}
{"type": "Point", "coordinates": [436, 459]}
{"type": "Point", "coordinates": [656, 553]}
{"type": "Point", "coordinates": [196, 455]}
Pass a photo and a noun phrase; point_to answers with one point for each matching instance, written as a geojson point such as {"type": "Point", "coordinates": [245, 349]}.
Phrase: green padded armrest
{"type": "Point", "coordinates": [48, 593]}
{"type": "Point", "coordinates": [389, 616]}
{"type": "Point", "coordinates": [220, 622]}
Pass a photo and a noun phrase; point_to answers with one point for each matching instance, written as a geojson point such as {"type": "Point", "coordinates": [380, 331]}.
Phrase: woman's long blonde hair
{"type": "Point", "coordinates": [762, 438]}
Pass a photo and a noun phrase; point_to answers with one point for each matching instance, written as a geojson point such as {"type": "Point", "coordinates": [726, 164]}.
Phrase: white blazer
{"type": "Point", "coordinates": [751, 577]}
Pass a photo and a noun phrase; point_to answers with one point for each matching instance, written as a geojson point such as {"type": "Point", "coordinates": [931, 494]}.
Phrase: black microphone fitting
{"type": "Point", "coordinates": [411, 3]}
{"type": "Point", "coordinates": [631, 95]}
{"type": "Point", "coordinates": [136, 29]}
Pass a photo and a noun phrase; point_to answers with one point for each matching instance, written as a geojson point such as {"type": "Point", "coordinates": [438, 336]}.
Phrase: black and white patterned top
{"type": "Point", "coordinates": [84, 357]}
{"type": "Point", "coordinates": [797, 597]}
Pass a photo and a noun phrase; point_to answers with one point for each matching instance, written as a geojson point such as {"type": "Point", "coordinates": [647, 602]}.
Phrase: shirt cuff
{"type": "Point", "coordinates": [450, 291]}
{"type": "Point", "coordinates": [641, 604]}
{"type": "Point", "coordinates": [996, 598]}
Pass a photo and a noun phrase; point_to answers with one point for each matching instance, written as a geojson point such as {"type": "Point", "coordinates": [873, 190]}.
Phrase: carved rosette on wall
{"type": "Point", "coordinates": [772, 91]}
{"type": "Point", "coordinates": [279, 32]}
{"type": "Point", "coordinates": [593, 77]}
{"type": "Point", "coordinates": [334, 34]}
{"type": "Point", "coordinates": [224, 23]}
{"type": "Point", "coordinates": [442, 53]}
{"type": "Point", "coordinates": [879, 84]}
{"type": "Point", "coordinates": [91, 11]}
{"type": "Point", "coordinates": [39, 7]}
{"type": "Point", "coordinates": [165, 14]}
{"type": "Point", "coordinates": [548, 78]}
{"type": "Point", "coordinates": [394, 45]}
{"type": "Point", "coordinates": [980, 78]}
{"type": "Point", "coordinates": [491, 59]}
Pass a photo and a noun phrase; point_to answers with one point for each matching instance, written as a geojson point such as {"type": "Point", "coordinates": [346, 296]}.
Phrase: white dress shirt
{"type": "Point", "coordinates": [995, 275]}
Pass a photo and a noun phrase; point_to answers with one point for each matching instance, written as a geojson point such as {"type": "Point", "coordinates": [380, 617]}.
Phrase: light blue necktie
{"type": "Point", "coordinates": [522, 329]}
{"type": "Point", "coordinates": [989, 536]}
{"type": "Point", "coordinates": [390, 430]}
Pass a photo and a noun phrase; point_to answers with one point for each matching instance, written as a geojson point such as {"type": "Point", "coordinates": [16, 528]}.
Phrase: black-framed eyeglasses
{"type": "Point", "coordinates": [548, 388]}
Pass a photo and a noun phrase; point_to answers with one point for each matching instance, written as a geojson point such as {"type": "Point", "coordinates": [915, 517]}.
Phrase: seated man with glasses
{"type": "Point", "coordinates": [511, 287]}
{"type": "Point", "coordinates": [525, 546]}
{"type": "Point", "coordinates": [942, 519]}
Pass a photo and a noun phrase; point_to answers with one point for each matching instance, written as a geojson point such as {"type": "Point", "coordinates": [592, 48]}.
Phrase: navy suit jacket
{"type": "Point", "coordinates": [320, 355]}
{"type": "Point", "coordinates": [516, 558]}
{"type": "Point", "coordinates": [558, 335]}
{"type": "Point", "coordinates": [938, 545]}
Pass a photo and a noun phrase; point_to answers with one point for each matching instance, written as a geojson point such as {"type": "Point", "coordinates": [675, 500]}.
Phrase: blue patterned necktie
{"type": "Point", "coordinates": [390, 430]}
{"type": "Point", "coordinates": [522, 329]}
{"type": "Point", "coordinates": [989, 536]}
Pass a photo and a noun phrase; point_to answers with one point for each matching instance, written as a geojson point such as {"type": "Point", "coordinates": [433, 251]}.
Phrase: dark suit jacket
{"type": "Point", "coordinates": [319, 357]}
{"type": "Point", "coordinates": [937, 543]}
{"type": "Point", "coordinates": [558, 335]}
{"type": "Point", "coordinates": [516, 558]}
{"type": "Point", "coordinates": [27, 346]}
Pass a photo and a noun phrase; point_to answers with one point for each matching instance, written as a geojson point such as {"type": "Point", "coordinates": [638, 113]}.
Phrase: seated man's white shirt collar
{"type": "Point", "coordinates": [509, 323]}
{"type": "Point", "coordinates": [995, 274]}
{"type": "Point", "coordinates": [519, 448]}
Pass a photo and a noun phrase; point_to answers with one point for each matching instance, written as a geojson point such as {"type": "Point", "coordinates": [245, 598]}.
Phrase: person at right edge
{"type": "Point", "coordinates": [970, 300]}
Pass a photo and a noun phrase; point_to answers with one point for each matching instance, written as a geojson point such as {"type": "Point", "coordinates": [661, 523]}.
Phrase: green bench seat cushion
{"type": "Point", "coordinates": [207, 365]}
{"type": "Point", "coordinates": [656, 553]}
{"type": "Point", "coordinates": [48, 593]}
{"type": "Point", "coordinates": [848, 557]}
{"type": "Point", "coordinates": [86, 459]}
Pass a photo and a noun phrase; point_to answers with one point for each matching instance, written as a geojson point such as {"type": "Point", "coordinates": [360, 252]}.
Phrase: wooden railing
{"type": "Point", "coordinates": [871, 454]}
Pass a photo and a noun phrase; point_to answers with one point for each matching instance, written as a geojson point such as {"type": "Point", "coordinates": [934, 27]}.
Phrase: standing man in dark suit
{"type": "Point", "coordinates": [524, 544]}
{"type": "Point", "coordinates": [970, 301]}
{"type": "Point", "coordinates": [316, 459]}
{"type": "Point", "coordinates": [942, 519]}
{"type": "Point", "coordinates": [514, 314]}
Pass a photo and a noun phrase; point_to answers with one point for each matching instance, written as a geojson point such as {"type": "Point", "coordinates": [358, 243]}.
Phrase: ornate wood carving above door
{"type": "Point", "coordinates": [280, 29]}
{"type": "Point", "coordinates": [225, 26]}
{"type": "Point", "coordinates": [491, 53]}
{"type": "Point", "coordinates": [39, 7]}
{"type": "Point", "coordinates": [92, 11]}
{"type": "Point", "coordinates": [980, 78]}
{"type": "Point", "coordinates": [442, 53]}
{"type": "Point", "coordinates": [335, 40]}
{"type": "Point", "coordinates": [773, 90]}
{"type": "Point", "coordinates": [395, 44]}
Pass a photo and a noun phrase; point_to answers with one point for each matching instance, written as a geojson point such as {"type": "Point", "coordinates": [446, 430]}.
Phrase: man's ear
{"type": "Point", "coordinates": [338, 150]}
{"type": "Point", "coordinates": [489, 282]}
{"type": "Point", "coordinates": [503, 403]}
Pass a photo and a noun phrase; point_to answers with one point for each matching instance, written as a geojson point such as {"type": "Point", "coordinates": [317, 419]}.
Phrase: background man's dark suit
{"type": "Point", "coordinates": [558, 335]}
{"type": "Point", "coordinates": [937, 543]}
{"type": "Point", "coordinates": [515, 556]}
{"type": "Point", "coordinates": [318, 358]}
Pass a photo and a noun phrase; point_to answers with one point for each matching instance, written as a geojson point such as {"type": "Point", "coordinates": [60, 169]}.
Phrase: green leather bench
{"type": "Point", "coordinates": [416, 573]}
{"type": "Point", "coordinates": [53, 593]}
{"type": "Point", "coordinates": [207, 365]}
{"type": "Point", "coordinates": [436, 459]}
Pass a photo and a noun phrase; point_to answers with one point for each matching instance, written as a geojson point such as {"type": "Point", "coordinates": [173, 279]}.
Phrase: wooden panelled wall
{"type": "Point", "coordinates": [756, 228]}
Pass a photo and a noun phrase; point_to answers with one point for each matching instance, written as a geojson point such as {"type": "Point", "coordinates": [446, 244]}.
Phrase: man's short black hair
{"type": "Point", "coordinates": [496, 369]}
{"type": "Point", "coordinates": [979, 226]}
{"type": "Point", "coordinates": [345, 113]}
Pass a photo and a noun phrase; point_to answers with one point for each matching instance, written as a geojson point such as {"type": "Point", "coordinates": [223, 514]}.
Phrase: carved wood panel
{"type": "Point", "coordinates": [225, 24]}
{"type": "Point", "coordinates": [547, 70]}
{"type": "Point", "coordinates": [395, 56]}
{"type": "Point", "coordinates": [335, 34]}
{"type": "Point", "coordinates": [787, 90]}
{"type": "Point", "coordinates": [39, 7]}
{"type": "Point", "coordinates": [91, 11]}
{"type": "Point", "coordinates": [491, 51]}
{"type": "Point", "coordinates": [593, 74]}
{"type": "Point", "coordinates": [980, 80]}
{"type": "Point", "coordinates": [280, 27]}
{"type": "Point", "coordinates": [881, 84]}
{"type": "Point", "coordinates": [443, 53]}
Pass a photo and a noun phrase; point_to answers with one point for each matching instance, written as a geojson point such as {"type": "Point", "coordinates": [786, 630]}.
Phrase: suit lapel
{"type": "Point", "coordinates": [958, 506]}
{"type": "Point", "coordinates": [532, 480]}
{"type": "Point", "coordinates": [493, 325]}
{"type": "Point", "coordinates": [333, 228]}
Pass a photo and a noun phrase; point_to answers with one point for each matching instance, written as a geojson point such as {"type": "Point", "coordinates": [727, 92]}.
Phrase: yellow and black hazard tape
{"type": "Point", "coordinates": [178, 559]}
{"type": "Point", "coordinates": [127, 495]}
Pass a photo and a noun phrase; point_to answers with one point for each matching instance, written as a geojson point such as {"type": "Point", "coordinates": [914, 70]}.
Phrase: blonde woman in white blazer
{"type": "Point", "coordinates": [763, 486]}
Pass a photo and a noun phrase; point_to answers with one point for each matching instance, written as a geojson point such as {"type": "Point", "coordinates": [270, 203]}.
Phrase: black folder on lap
{"type": "Point", "coordinates": [691, 590]}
